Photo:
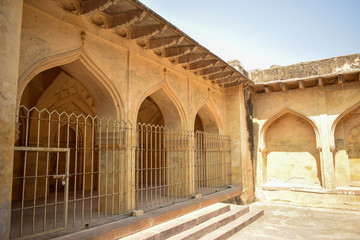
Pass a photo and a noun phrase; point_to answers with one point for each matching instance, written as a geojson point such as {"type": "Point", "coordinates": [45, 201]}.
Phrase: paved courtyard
{"type": "Point", "coordinates": [290, 222]}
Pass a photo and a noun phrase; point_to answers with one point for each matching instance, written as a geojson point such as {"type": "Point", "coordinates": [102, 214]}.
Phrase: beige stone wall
{"type": "Point", "coordinates": [112, 68]}
{"type": "Point", "coordinates": [10, 29]}
{"type": "Point", "coordinates": [306, 140]}
{"type": "Point", "coordinates": [117, 76]}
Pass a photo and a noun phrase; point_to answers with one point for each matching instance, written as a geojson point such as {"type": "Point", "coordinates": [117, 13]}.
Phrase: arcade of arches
{"type": "Point", "coordinates": [107, 108]}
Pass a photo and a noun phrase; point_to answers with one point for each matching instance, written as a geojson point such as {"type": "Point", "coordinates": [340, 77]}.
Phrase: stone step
{"type": "Point", "coordinates": [180, 224]}
{"type": "Point", "coordinates": [212, 224]}
{"type": "Point", "coordinates": [235, 226]}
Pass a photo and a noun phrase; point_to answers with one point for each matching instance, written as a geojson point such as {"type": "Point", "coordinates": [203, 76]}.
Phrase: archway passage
{"type": "Point", "coordinates": [354, 154]}
{"type": "Point", "coordinates": [151, 162]}
{"type": "Point", "coordinates": [347, 149]}
{"type": "Point", "coordinates": [161, 152]}
{"type": "Point", "coordinates": [65, 154]}
{"type": "Point", "coordinates": [211, 167]}
{"type": "Point", "coordinates": [292, 158]}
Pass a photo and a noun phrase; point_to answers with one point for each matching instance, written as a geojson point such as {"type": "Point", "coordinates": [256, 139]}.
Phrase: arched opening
{"type": "Point", "coordinates": [209, 165]}
{"type": "Point", "coordinates": [291, 157]}
{"type": "Point", "coordinates": [347, 149]}
{"type": "Point", "coordinates": [160, 165]}
{"type": "Point", "coordinates": [151, 174]}
{"type": "Point", "coordinates": [354, 155]}
{"type": "Point", "coordinates": [60, 155]}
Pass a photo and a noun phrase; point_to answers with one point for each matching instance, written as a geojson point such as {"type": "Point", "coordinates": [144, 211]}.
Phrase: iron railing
{"type": "Point", "coordinates": [72, 170]}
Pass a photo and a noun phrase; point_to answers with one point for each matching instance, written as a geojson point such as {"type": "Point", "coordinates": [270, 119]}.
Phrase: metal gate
{"type": "Point", "coordinates": [70, 170]}
{"type": "Point", "coordinates": [33, 211]}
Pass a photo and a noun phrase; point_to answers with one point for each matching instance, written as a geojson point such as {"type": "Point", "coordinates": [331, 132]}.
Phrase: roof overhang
{"type": "Point", "coordinates": [134, 21]}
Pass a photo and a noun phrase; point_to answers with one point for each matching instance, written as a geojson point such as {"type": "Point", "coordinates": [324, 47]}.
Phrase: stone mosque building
{"type": "Point", "coordinates": [108, 109]}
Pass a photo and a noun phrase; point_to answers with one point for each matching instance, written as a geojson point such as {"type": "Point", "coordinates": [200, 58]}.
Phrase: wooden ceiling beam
{"type": "Point", "coordinates": [92, 5]}
{"type": "Point", "coordinates": [221, 75]}
{"type": "Point", "coordinates": [138, 32]}
{"type": "Point", "coordinates": [190, 58]}
{"type": "Point", "coordinates": [177, 51]}
{"type": "Point", "coordinates": [201, 64]}
{"type": "Point", "coordinates": [164, 42]}
{"type": "Point", "coordinates": [301, 84]}
{"type": "Point", "coordinates": [227, 80]}
{"type": "Point", "coordinates": [284, 86]}
{"type": "Point", "coordinates": [340, 80]}
{"type": "Point", "coordinates": [124, 19]}
{"type": "Point", "coordinates": [268, 89]}
{"type": "Point", "coordinates": [211, 70]}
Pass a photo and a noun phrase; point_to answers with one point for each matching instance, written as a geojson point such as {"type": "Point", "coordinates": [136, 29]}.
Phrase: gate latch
{"type": "Point", "coordinates": [62, 176]}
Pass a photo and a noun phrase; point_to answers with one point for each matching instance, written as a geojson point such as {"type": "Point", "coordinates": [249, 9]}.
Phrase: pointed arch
{"type": "Point", "coordinates": [80, 59]}
{"type": "Point", "coordinates": [167, 102]}
{"type": "Point", "coordinates": [208, 110]}
{"type": "Point", "coordinates": [337, 120]}
{"type": "Point", "coordinates": [280, 114]}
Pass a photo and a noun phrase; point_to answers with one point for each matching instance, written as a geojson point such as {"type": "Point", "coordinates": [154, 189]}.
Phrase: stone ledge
{"type": "Point", "coordinates": [132, 225]}
{"type": "Point", "coordinates": [331, 199]}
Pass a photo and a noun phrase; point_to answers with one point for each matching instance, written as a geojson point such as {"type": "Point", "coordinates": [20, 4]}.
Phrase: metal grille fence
{"type": "Point", "coordinates": [173, 165]}
{"type": "Point", "coordinates": [72, 170]}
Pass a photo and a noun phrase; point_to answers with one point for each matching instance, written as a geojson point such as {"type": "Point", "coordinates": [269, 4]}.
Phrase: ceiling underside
{"type": "Point", "coordinates": [132, 20]}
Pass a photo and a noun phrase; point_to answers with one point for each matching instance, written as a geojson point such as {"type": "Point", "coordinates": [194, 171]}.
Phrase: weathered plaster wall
{"type": "Point", "coordinates": [346, 153]}
{"type": "Point", "coordinates": [122, 65]}
{"type": "Point", "coordinates": [10, 28]}
{"type": "Point", "coordinates": [242, 167]}
{"type": "Point", "coordinates": [308, 69]}
{"type": "Point", "coordinates": [292, 156]}
{"type": "Point", "coordinates": [305, 140]}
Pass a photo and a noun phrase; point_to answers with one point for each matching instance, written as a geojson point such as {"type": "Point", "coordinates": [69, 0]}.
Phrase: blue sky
{"type": "Point", "coordinates": [261, 33]}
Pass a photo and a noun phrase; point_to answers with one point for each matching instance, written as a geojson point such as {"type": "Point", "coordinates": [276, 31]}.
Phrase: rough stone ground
{"type": "Point", "coordinates": [292, 222]}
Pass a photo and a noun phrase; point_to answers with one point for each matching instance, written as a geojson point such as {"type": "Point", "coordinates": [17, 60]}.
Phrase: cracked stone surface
{"type": "Point", "coordinates": [290, 222]}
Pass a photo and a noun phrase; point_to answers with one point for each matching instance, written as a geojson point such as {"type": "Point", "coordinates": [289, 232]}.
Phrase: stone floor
{"type": "Point", "coordinates": [290, 222]}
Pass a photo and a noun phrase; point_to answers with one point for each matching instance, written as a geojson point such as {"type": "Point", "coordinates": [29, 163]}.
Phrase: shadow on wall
{"type": "Point", "coordinates": [292, 157]}
{"type": "Point", "coordinates": [347, 150]}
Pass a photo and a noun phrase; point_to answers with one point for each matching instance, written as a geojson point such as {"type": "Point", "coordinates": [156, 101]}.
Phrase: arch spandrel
{"type": "Point", "coordinates": [168, 103]}
{"type": "Point", "coordinates": [210, 117]}
{"type": "Point", "coordinates": [262, 145]}
{"type": "Point", "coordinates": [337, 120]}
{"type": "Point", "coordinates": [91, 76]}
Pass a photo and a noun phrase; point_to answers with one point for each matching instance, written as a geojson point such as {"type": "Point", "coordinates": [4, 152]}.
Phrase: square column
{"type": "Point", "coordinates": [10, 31]}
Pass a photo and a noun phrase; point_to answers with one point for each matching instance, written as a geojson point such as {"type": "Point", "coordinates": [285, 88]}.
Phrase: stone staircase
{"type": "Point", "coordinates": [220, 219]}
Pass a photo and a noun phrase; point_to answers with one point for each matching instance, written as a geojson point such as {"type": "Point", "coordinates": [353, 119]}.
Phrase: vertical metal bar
{"type": "Point", "coordinates": [99, 170]}
{"type": "Point", "coordinates": [123, 194]}
{"type": "Point", "coordinates": [157, 188]}
{"type": "Point", "coordinates": [67, 162]}
{"type": "Point", "coordinates": [47, 172]}
{"type": "Point", "coordinates": [84, 174]}
{"type": "Point", "coordinates": [66, 197]}
{"type": "Point", "coordinates": [24, 175]}
{"type": "Point", "coordinates": [137, 164]}
{"type": "Point", "coordinates": [92, 168]}
{"type": "Point", "coordinates": [141, 143]}
{"type": "Point", "coordinates": [151, 164]}
{"type": "Point", "coordinates": [106, 166]}
{"type": "Point", "coordinates": [166, 153]}
{"type": "Point", "coordinates": [113, 169]}
{"type": "Point", "coordinates": [75, 169]}
{"type": "Point", "coordinates": [146, 166]}
{"type": "Point", "coordinates": [36, 173]}
{"type": "Point", "coordinates": [57, 170]}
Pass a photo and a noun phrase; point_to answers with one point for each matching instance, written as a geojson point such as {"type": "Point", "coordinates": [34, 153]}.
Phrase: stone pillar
{"type": "Point", "coordinates": [10, 30]}
{"type": "Point", "coordinates": [327, 161]}
{"type": "Point", "coordinates": [240, 152]}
